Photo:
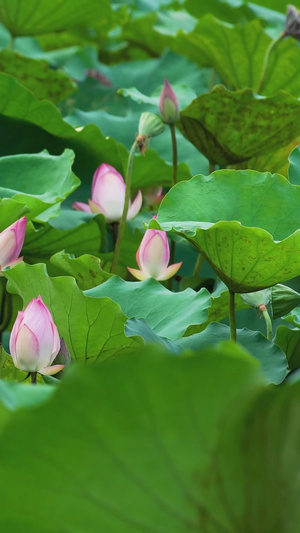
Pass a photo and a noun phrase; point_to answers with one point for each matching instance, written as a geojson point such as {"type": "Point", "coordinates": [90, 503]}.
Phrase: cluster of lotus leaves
{"type": "Point", "coordinates": [245, 223]}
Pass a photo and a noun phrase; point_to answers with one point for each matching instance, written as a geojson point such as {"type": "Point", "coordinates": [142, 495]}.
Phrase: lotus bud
{"type": "Point", "coordinates": [11, 242]}
{"type": "Point", "coordinates": [292, 23]}
{"type": "Point", "coordinates": [168, 104]}
{"type": "Point", "coordinates": [108, 196]}
{"type": "Point", "coordinates": [153, 257]}
{"type": "Point", "coordinates": [34, 340]}
{"type": "Point", "coordinates": [150, 125]}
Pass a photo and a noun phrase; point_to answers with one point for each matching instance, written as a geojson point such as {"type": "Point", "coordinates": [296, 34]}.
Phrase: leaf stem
{"type": "Point", "coordinates": [232, 316]}
{"type": "Point", "coordinates": [268, 321]}
{"type": "Point", "coordinates": [122, 224]}
{"type": "Point", "coordinates": [174, 152]}
{"type": "Point", "coordinates": [266, 61]}
{"type": "Point", "coordinates": [198, 265]}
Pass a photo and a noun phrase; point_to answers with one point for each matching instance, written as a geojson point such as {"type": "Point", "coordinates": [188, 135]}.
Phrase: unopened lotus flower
{"type": "Point", "coordinates": [34, 340]}
{"type": "Point", "coordinates": [108, 196]}
{"type": "Point", "coordinates": [11, 242]}
{"type": "Point", "coordinates": [153, 257]}
{"type": "Point", "coordinates": [168, 104]}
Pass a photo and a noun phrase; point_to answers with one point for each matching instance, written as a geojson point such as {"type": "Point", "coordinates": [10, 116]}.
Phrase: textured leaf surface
{"type": "Point", "coordinates": [37, 181]}
{"type": "Point", "coordinates": [255, 244]}
{"type": "Point", "coordinates": [92, 329]}
{"type": "Point", "coordinates": [167, 313]}
{"type": "Point", "coordinates": [229, 127]}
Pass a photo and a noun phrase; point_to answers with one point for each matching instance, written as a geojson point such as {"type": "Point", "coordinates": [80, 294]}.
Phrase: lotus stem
{"type": "Point", "coordinates": [33, 377]}
{"type": "Point", "coordinates": [268, 321]}
{"type": "Point", "coordinates": [266, 61]}
{"type": "Point", "coordinates": [122, 224]}
{"type": "Point", "coordinates": [232, 316]}
{"type": "Point", "coordinates": [174, 152]}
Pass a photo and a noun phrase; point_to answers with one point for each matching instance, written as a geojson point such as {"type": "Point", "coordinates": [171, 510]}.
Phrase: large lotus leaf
{"type": "Point", "coordinates": [86, 269]}
{"type": "Point", "coordinates": [37, 76]}
{"type": "Point", "coordinates": [289, 341]}
{"type": "Point", "coordinates": [75, 232]}
{"type": "Point", "coordinates": [93, 329]}
{"type": "Point", "coordinates": [254, 465]}
{"type": "Point", "coordinates": [294, 166]}
{"type": "Point", "coordinates": [31, 125]}
{"type": "Point", "coordinates": [236, 52]}
{"type": "Point", "coordinates": [37, 181]}
{"type": "Point", "coordinates": [10, 211]}
{"type": "Point", "coordinates": [31, 17]}
{"type": "Point", "coordinates": [229, 127]}
{"type": "Point", "coordinates": [218, 310]}
{"type": "Point", "coordinates": [245, 223]}
{"type": "Point", "coordinates": [126, 446]}
{"type": "Point", "coordinates": [167, 313]}
{"type": "Point", "coordinates": [271, 357]}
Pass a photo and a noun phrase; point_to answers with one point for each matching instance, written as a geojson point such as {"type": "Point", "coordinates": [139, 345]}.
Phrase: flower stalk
{"type": "Point", "coordinates": [128, 176]}
{"type": "Point", "coordinates": [232, 316]}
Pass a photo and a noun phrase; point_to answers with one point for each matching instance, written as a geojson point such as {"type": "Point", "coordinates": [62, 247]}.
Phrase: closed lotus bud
{"type": "Point", "coordinates": [292, 24]}
{"type": "Point", "coordinates": [11, 242]}
{"type": "Point", "coordinates": [34, 340]}
{"type": "Point", "coordinates": [168, 104]}
{"type": "Point", "coordinates": [153, 196]}
{"type": "Point", "coordinates": [108, 196]}
{"type": "Point", "coordinates": [153, 257]}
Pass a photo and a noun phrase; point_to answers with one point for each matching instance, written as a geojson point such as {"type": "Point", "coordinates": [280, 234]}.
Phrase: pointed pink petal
{"type": "Point", "coordinates": [169, 272]}
{"type": "Point", "coordinates": [27, 349]}
{"type": "Point", "coordinates": [138, 274]}
{"type": "Point", "coordinates": [13, 335]}
{"type": "Point", "coordinates": [51, 370]}
{"type": "Point", "coordinates": [154, 253]}
{"type": "Point", "coordinates": [79, 206]}
{"type": "Point", "coordinates": [135, 206]}
{"type": "Point", "coordinates": [96, 208]}
{"type": "Point", "coordinates": [109, 192]}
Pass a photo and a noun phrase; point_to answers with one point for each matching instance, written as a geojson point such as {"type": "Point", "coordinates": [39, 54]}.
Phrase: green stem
{"type": "Point", "coordinates": [268, 322]}
{"type": "Point", "coordinates": [198, 265]}
{"type": "Point", "coordinates": [232, 316]}
{"type": "Point", "coordinates": [174, 152]}
{"type": "Point", "coordinates": [266, 61]}
{"type": "Point", "coordinates": [122, 225]}
{"type": "Point", "coordinates": [212, 167]}
{"type": "Point", "coordinates": [33, 377]}
{"type": "Point", "coordinates": [212, 79]}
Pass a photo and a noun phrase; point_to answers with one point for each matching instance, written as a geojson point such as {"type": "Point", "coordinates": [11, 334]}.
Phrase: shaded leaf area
{"type": "Point", "coordinates": [92, 329]}
{"type": "Point", "coordinates": [31, 17]}
{"type": "Point", "coordinates": [252, 247]}
{"type": "Point", "coordinates": [254, 439]}
{"type": "Point", "coordinates": [86, 269]}
{"type": "Point", "coordinates": [10, 211]}
{"type": "Point", "coordinates": [126, 466]}
{"type": "Point", "coordinates": [271, 357]}
{"type": "Point", "coordinates": [167, 313]}
{"type": "Point", "coordinates": [16, 395]}
{"type": "Point", "coordinates": [289, 341]}
{"type": "Point", "coordinates": [37, 76]}
{"type": "Point", "coordinates": [276, 161]}
{"type": "Point", "coordinates": [75, 232]}
{"type": "Point", "coordinates": [236, 53]}
{"type": "Point", "coordinates": [283, 300]}
{"type": "Point", "coordinates": [229, 127]}
{"type": "Point", "coordinates": [148, 453]}
{"type": "Point", "coordinates": [294, 163]}
{"type": "Point", "coordinates": [218, 310]}
{"type": "Point", "coordinates": [42, 180]}
{"type": "Point", "coordinates": [39, 124]}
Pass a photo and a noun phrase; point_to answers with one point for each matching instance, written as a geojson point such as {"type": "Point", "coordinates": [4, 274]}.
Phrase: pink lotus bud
{"type": "Point", "coordinates": [11, 242]}
{"type": "Point", "coordinates": [108, 196]}
{"type": "Point", "coordinates": [153, 257]}
{"type": "Point", "coordinates": [34, 340]}
{"type": "Point", "coordinates": [168, 104]}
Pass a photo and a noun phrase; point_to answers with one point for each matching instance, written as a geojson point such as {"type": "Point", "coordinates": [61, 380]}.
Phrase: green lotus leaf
{"type": "Point", "coordinates": [167, 313]}
{"type": "Point", "coordinates": [230, 127]}
{"type": "Point", "coordinates": [93, 329]}
{"type": "Point", "coordinates": [289, 341]}
{"type": "Point", "coordinates": [86, 269]}
{"type": "Point", "coordinates": [31, 17]}
{"type": "Point", "coordinates": [38, 181]}
{"type": "Point", "coordinates": [245, 223]}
